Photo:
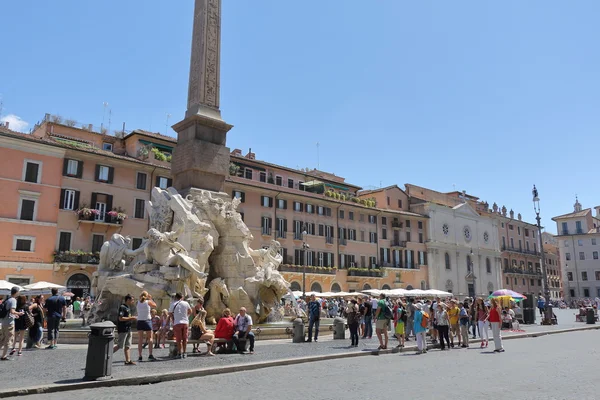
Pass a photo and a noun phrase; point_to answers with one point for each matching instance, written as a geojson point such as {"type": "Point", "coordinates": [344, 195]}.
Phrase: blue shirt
{"type": "Point", "coordinates": [314, 309]}
{"type": "Point", "coordinates": [418, 318]}
{"type": "Point", "coordinates": [54, 305]}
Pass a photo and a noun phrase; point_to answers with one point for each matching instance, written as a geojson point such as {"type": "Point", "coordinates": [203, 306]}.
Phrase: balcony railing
{"type": "Point", "coordinates": [396, 224]}
{"type": "Point", "coordinates": [579, 231]}
{"type": "Point", "coordinates": [564, 232]}
{"type": "Point", "coordinates": [76, 257]}
{"type": "Point", "coordinates": [398, 243]}
{"type": "Point", "coordinates": [309, 269]}
{"type": "Point", "coordinates": [517, 270]}
{"type": "Point", "coordinates": [297, 236]}
{"type": "Point", "coordinates": [375, 272]}
{"type": "Point", "coordinates": [328, 239]}
{"type": "Point", "coordinates": [281, 234]}
{"type": "Point", "coordinates": [520, 250]}
{"type": "Point", "coordinates": [266, 231]}
{"type": "Point", "coordinates": [342, 241]}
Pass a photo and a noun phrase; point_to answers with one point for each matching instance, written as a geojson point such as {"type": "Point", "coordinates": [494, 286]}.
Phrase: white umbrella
{"type": "Point", "coordinates": [42, 287]}
{"type": "Point", "coordinates": [6, 286]}
{"type": "Point", "coordinates": [375, 292]}
{"type": "Point", "coordinates": [438, 293]}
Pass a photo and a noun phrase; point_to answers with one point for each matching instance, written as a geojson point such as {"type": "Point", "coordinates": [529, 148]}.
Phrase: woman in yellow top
{"type": "Point", "coordinates": [453, 314]}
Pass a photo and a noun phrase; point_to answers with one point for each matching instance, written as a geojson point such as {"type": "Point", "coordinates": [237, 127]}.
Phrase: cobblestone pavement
{"type": "Point", "coordinates": [66, 364]}
{"type": "Point", "coordinates": [549, 367]}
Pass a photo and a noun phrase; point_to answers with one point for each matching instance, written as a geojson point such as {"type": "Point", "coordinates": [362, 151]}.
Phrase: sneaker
{"type": "Point", "coordinates": [309, 341]}
{"type": "Point", "coordinates": [6, 359]}
{"type": "Point", "coordinates": [179, 357]}
{"type": "Point", "coordinates": [151, 358]}
{"type": "Point", "coordinates": [49, 347]}
{"type": "Point", "coordinates": [464, 346]}
{"type": "Point", "coordinates": [182, 356]}
{"type": "Point", "coordinates": [12, 352]}
{"type": "Point", "coordinates": [144, 345]}
{"type": "Point", "coordinates": [251, 351]}
{"type": "Point", "coordinates": [140, 359]}
{"type": "Point", "coordinates": [316, 340]}
{"type": "Point", "coordinates": [19, 354]}
{"type": "Point", "coordinates": [130, 363]}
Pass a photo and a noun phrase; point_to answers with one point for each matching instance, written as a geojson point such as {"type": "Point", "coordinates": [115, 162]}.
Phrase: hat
{"type": "Point", "coordinates": [418, 306]}
{"type": "Point", "coordinates": [443, 305]}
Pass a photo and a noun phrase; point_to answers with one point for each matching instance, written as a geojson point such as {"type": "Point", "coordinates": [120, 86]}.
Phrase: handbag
{"type": "Point", "coordinates": [28, 319]}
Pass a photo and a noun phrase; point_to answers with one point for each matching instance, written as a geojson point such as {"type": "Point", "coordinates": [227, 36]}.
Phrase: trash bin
{"type": "Point", "coordinates": [590, 316]}
{"type": "Point", "coordinates": [298, 331]}
{"type": "Point", "coordinates": [100, 350]}
{"type": "Point", "coordinates": [339, 328]}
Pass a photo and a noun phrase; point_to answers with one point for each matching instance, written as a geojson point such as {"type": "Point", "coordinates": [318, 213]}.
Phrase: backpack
{"type": "Point", "coordinates": [425, 320]}
{"type": "Point", "coordinates": [388, 313]}
{"type": "Point", "coordinates": [4, 309]}
{"type": "Point", "coordinates": [403, 316]}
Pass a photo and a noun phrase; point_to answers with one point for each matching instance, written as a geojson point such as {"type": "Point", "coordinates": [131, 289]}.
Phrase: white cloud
{"type": "Point", "coordinates": [15, 123]}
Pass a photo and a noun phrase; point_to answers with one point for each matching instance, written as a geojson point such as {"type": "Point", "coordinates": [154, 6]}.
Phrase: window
{"type": "Point", "coordinates": [282, 204]}
{"type": "Point", "coordinates": [140, 182]}
{"type": "Point", "coordinates": [518, 230]}
{"type": "Point", "coordinates": [520, 244]}
{"type": "Point", "coordinates": [362, 236]}
{"type": "Point", "coordinates": [372, 219]}
{"type": "Point", "coordinates": [32, 171]}
{"type": "Point", "coordinates": [373, 262]}
{"type": "Point", "coordinates": [566, 243]}
{"type": "Point", "coordinates": [572, 292]}
{"type": "Point", "coordinates": [408, 236]}
{"type": "Point", "coordinates": [584, 275]}
{"type": "Point", "coordinates": [447, 260]}
{"type": "Point", "coordinates": [399, 203]}
{"type": "Point", "coordinates": [512, 243]}
{"type": "Point", "coordinates": [23, 243]}
{"type": "Point", "coordinates": [27, 210]}
{"type": "Point", "coordinates": [531, 282]}
{"type": "Point", "coordinates": [506, 263]}
{"type": "Point", "coordinates": [408, 223]}
{"type": "Point", "coordinates": [69, 199]}
{"type": "Point", "coordinates": [298, 206]}
{"type": "Point", "coordinates": [372, 237]}
{"type": "Point", "coordinates": [361, 218]}
{"type": "Point", "coordinates": [301, 185]}
{"type": "Point", "coordinates": [383, 221]}
{"type": "Point", "coordinates": [586, 292]}
{"type": "Point", "coordinates": [507, 281]}
{"type": "Point", "coordinates": [565, 228]}
{"type": "Point", "coordinates": [290, 183]}
{"type": "Point", "coordinates": [420, 238]}
{"type": "Point", "coordinates": [341, 214]}
{"type": "Point", "coordinates": [510, 227]}
{"type": "Point", "coordinates": [469, 263]}
{"type": "Point", "coordinates": [352, 234]}
{"type": "Point", "coordinates": [579, 242]}
{"type": "Point", "coordinates": [71, 168]}
{"type": "Point", "coordinates": [320, 210]}
{"type": "Point", "coordinates": [310, 209]}
{"type": "Point", "coordinates": [266, 224]}
{"type": "Point", "coordinates": [97, 242]}
{"type": "Point", "coordinates": [248, 173]}
{"type": "Point", "coordinates": [107, 146]}
{"type": "Point", "coordinates": [136, 243]}
{"type": "Point", "coordinates": [526, 232]}
{"type": "Point", "coordinates": [140, 208]}
{"type": "Point", "coordinates": [420, 224]}
{"type": "Point", "coordinates": [104, 173]}
{"type": "Point", "coordinates": [595, 255]}
{"type": "Point", "coordinates": [310, 228]}
{"type": "Point", "coordinates": [593, 241]}
{"type": "Point", "coordinates": [281, 227]}
{"type": "Point", "coordinates": [384, 234]}
{"type": "Point", "coordinates": [578, 227]}
{"type": "Point", "coordinates": [488, 266]}
{"type": "Point", "coordinates": [581, 255]}
{"type": "Point", "coordinates": [266, 201]}
{"type": "Point", "coordinates": [239, 195]}
{"type": "Point", "coordinates": [388, 200]}
{"type": "Point", "coordinates": [262, 176]}
{"type": "Point", "coordinates": [64, 241]}
{"type": "Point", "coordinates": [351, 215]}
{"type": "Point", "coordinates": [597, 273]}
{"type": "Point", "coordinates": [162, 182]}
{"type": "Point", "coordinates": [279, 181]}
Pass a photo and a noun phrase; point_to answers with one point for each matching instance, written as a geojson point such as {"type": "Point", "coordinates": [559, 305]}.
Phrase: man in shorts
{"type": "Point", "coordinates": [382, 322]}
{"type": "Point", "coordinates": [180, 312]}
{"type": "Point", "coordinates": [124, 329]}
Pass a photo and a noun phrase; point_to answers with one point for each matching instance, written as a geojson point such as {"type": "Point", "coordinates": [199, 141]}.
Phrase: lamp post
{"type": "Point", "coordinates": [304, 247]}
{"type": "Point", "coordinates": [547, 320]}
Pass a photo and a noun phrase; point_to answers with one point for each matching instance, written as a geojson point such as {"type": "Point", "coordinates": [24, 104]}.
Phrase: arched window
{"type": "Point", "coordinates": [469, 263]}
{"type": "Point", "coordinates": [447, 258]}
{"type": "Point", "coordinates": [79, 285]}
{"type": "Point", "coordinates": [335, 288]}
{"type": "Point", "coordinates": [366, 286]}
{"type": "Point", "coordinates": [316, 287]}
{"type": "Point", "coordinates": [385, 287]}
{"type": "Point", "coordinates": [488, 266]}
{"type": "Point", "coordinates": [423, 285]}
{"type": "Point", "coordinates": [295, 287]}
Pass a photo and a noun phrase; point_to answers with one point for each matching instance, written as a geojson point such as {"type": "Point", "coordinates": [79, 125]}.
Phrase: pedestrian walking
{"type": "Point", "coordinates": [180, 312]}
{"type": "Point", "coordinates": [124, 329]}
{"type": "Point", "coordinates": [482, 322]}
{"type": "Point", "coordinates": [410, 319]}
{"type": "Point", "coordinates": [464, 324]}
{"type": "Point", "coordinates": [314, 317]}
{"type": "Point", "coordinates": [56, 310]}
{"type": "Point", "coordinates": [494, 318]}
{"type": "Point", "coordinates": [20, 325]}
{"type": "Point", "coordinates": [400, 319]}
{"type": "Point", "coordinates": [383, 316]}
{"type": "Point", "coordinates": [77, 308]}
{"type": "Point", "coordinates": [453, 315]}
{"type": "Point", "coordinates": [8, 314]}
{"type": "Point", "coordinates": [144, 324]}
{"type": "Point", "coordinates": [353, 317]}
{"type": "Point", "coordinates": [421, 320]}
{"type": "Point", "coordinates": [443, 325]}
{"type": "Point", "coordinates": [368, 318]}
{"type": "Point", "coordinates": [36, 331]}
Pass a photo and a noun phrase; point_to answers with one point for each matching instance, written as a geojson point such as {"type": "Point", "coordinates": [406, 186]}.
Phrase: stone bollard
{"type": "Point", "coordinates": [590, 316]}
{"type": "Point", "coordinates": [298, 331]}
{"type": "Point", "coordinates": [339, 328]}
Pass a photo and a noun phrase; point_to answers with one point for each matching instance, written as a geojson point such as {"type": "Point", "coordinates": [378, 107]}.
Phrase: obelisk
{"type": "Point", "coordinates": [201, 158]}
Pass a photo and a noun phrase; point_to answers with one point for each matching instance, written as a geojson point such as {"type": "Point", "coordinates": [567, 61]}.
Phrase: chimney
{"type": "Point", "coordinates": [47, 117]}
{"type": "Point", "coordinates": [251, 155]}
{"type": "Point", "coordinates": [90, 127]}
{"type": "Point", "coordinates": [237, 152]}
{"type": "Point", "coordinates": [597, 208]}
{"type": "Point", "coordinates": [6, 124]}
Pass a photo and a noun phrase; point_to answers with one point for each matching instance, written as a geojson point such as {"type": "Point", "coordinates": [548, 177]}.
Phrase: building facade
{"type": "Point", "coordinates": [579, 246]}
{"type": "Point", "coordinates": [553, 265]}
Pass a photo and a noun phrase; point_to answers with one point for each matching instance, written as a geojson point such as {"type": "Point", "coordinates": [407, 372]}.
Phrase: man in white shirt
{"type": "Point", "coordinates": [243, 330]}
{"type": "Point", "coordinates": [180, 312]}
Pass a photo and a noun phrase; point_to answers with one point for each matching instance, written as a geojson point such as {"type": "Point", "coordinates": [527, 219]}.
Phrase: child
{"type": "Point", "coordinates": [164, 327]}
{"type": "Point", "coordinates": [155, 326]}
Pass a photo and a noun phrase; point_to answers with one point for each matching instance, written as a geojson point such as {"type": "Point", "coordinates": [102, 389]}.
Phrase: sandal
{"type": "Point", "coordinates": [19, 353]}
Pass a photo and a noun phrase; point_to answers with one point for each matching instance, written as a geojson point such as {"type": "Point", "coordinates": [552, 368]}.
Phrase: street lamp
{"type": "Point", "coordinates": [547, 320]}
{"type": "Point", "coordinates": [304, 247]}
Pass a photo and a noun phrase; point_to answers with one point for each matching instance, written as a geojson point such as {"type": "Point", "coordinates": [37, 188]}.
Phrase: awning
{"type": "Point", "coordinates": [319, 183]}
{"type": "Point", "coordinates": [157, 145]}
{"type": "Point", "coordinates": [239, 164]}
{"type": "Point", "coordinates": [312, 183]}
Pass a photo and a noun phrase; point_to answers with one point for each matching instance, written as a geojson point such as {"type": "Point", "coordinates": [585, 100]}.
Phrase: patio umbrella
{"type": "Point", "coordinates": [6, 286]}
{"type": "Point", "coordinates": [42, 288]}
{"type": "Point", "coordinates": [507, 293]}
{"type": "Point", "coordinates": [68, 294]}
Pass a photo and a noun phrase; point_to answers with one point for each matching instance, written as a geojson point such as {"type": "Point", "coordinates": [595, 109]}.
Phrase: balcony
{"type": "Point", "coordinates": [397, 224]}
{"type": "Point", "coordinates": [398, 243]}
{"type": "Point", "coordinates": [564, 232]}
{"type": "Point", "coordinates": [93, 216]}
{"type": "Point", "coordinates": [297, 236]}
{"type": "Point", "coordinates": [342, 241]}
{"type": "Point", "coordinates": [374, 272]}
{"type": "Point", "coordinates": [517, 270]}
{"type": "Point", "coordinates": [520, 250]}
{"type": "Point", "coordinates": [76, 257]}
{"type": "Point", "coordinates": [281, 234]}
{"type": "Point", "coordinates": [266, 231]}
{"type": "Point", "coordinates": [579, 231]}
{"type": "Point", "coordinates": [328, 239]}
{"type": "Point", "coordinates": [309, 269]}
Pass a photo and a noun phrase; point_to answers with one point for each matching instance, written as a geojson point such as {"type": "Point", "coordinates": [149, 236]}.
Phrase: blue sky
{"type": "Point", "coordinates": [489, 97]}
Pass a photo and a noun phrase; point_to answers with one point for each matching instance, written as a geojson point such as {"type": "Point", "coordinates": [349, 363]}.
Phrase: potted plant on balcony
{"type": "Point", "coordinates": [87, 214]}
{"type": "Point", "coordinates": [117, 215]}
